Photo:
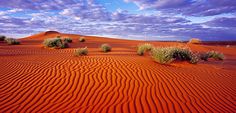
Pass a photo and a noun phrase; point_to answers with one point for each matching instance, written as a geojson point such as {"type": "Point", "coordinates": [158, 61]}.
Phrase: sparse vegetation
{"type": "Point", "coordinates": [55, 43]}
{"type": "Point", "coordinates": [81, 51]}
{"type": "Point", "coordinates": [82, 39]}
{"type": "Point", "coordinates": [194, 59]}
{"type": "Point", "coordinates": [68, 40]}
{"type": "Point", "coordinates": [195, 41]}
{"type": "Point", "coordinates": [105, 47]}
{"type": "Point", "coordinates": [216, 55]}
{"type": "Point", "coordinates": [166, 55]}
{"type": "Point", "coordinates": [64, 45]}
{"type": "Point", "coordinates": [2, 38]}
{"type": "Point", "coordinates": [204, 56]}
{"type": "Point", "coordinates": [162, 55]}
{"type": "Point", "coordinates": [184, 54]}
{"type": "Point", "coordinates": [142, 48]}
{"type": "Point", "coordinates": [212, 54]}
{"type": "Point", "coordinates": [12, 41]}
{"type": "Point", "coordinates": [181, 53]}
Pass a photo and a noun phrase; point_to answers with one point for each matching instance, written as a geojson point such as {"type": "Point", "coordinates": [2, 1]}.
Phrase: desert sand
{"type": "Point", "coordinates": [35, 79]}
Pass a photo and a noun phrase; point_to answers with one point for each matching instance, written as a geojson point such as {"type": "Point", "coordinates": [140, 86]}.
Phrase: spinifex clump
{"type": "Point", "coordinates": [105, 47]}
{"type": "Point", "coordinates": [165, 55]}
{"type": "Point", "coordinates": [12, 41]}
{"type": "Point", "coordinates": [55, 43]}
{"type": "Point", "coordinates": [81, 51]}
{"type": "Point", "coordinates": [142, 48]}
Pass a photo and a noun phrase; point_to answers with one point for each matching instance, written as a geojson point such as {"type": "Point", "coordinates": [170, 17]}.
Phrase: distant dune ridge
{"type": "Point", "coordinates": [35, 79]}
{"type": "Point", "coordinates": [42, 35]}
{"type": "Point", "coordinates": [195, 41]}
{"type": "Point", "coordinates": [51, 32]}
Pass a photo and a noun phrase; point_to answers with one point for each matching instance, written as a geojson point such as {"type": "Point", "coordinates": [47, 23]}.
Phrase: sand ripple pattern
{"type": "Point", "coordinates": [56, 81]}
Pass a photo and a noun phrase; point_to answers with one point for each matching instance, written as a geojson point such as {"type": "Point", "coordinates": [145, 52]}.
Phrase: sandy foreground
{"type": "Point", "coordinates": [35, 79]}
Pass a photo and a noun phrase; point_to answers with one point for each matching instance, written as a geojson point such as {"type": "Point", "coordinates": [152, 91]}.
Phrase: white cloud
{"type": "Point", "coordinates": [89, 18]}
{"type": "Point", "coordinates": [11, 11]}
{"type": "Point", "coordinates": [67, 12]}
{"type": "Point", "coordinates": [15, 10]}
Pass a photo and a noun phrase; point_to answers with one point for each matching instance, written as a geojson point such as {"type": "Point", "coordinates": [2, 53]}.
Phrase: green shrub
{"type": "Point", "coordinates": [68, 40]}
{"type": "Point", "coordinates": [166, 55]}
{"type": "Point", "coordinates": [81, 51]}
{"type": "Point", "coordinates": [2, 38]}
{"type": "Point", "coordinates": [12, 41]}
{"type": "Point", "coordinates": [52, 42]}
{"type": "Point", "coordinates": [162, 55]}
{"type": "Point", "coordinates": [216, 55]}
{"type": "Point", "coordinates": [212, 54]}
{"type": "Point", "coordinates": [181, 53]}
{"type": "Point", "coordinates": [82, 39]}
{"type": "Point", "coordinates": [55, 43]}
{"type": "Point", "coordinates": [184, 54]}
{"type": "Point", "coordinates": [105, 47]}
{"type": "Point", "coordinates": [204, 56]}
{"type": "Point", "coordinates": [194, 59]}
{"type": "Point", "coordinates": [142, 48]}
{"type": "Point", "coordinates": [64, 45]}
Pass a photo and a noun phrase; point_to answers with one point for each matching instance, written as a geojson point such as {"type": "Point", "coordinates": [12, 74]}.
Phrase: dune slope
{"type": "Point", "coordinates": [34, 79]}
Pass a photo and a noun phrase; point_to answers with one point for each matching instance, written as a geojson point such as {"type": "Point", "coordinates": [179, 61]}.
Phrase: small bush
{"type": "Point", "coordinates": [216, 55]}
{"type": "Point", "coordinates": [68, 40]}
{"type": "Point", "coordinates": [12, 41]}
{"type": "Point", "coordinates": [194, 41]}
{"type": "Point", "coordinates": [166, 55]}
{"type": "Point", "coordinates": [64, 45]}
{"type": "Point", "coordinates": [184, 54]}
{"type": "Point", "coordinates": [194, 59]}
{"type": "Point", "coordinates": [204, 56]}
{"type": "Point", "coordinates": [162, 55]}
{"type": "Point", "coordinates": [212, 54]}
{"type": "Point", "coordinates": [2, 38]}
{"type": "Point", "coordinates": [82, 39]}
{"type": "Point", "coordinates": [81, 51]}
{"type": "Point", "coordinates": [142, 48]}
{"type": "Point", "coordinates": [181, 53]}
{"type": "Point", "coordinates": [55, 43]}
{"type": "Point", "coordinates": [105, 47]}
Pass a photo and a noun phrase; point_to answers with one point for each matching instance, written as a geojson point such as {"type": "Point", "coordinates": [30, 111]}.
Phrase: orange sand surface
{"type": "Point", "coordinates": [35, 79]}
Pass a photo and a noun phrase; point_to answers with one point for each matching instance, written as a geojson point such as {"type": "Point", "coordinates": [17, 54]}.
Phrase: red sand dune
{"type": "Point", "coordinates": [35, 79]}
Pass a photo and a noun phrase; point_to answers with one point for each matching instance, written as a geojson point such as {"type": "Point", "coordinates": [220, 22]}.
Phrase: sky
{"type": "Point", "coordinates": [127, 19]}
